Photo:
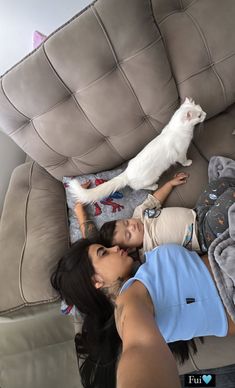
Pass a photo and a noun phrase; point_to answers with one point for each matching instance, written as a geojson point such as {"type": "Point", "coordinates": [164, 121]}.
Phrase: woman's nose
{"type": "Point", "coordinates": [115, 248]}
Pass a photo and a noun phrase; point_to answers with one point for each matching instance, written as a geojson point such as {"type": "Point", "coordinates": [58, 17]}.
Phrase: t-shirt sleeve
{"type": "Point", "coordinates": [150, 203]}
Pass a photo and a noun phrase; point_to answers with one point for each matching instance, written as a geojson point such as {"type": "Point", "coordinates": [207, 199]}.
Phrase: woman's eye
{"type": "Point", "coordinates": [128, 236]}
{"type": "Point", "coordinates": [102, 252]}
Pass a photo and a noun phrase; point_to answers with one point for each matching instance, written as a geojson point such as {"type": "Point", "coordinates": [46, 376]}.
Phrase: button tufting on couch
{"type": "Point", "coordinates": [89, 98]}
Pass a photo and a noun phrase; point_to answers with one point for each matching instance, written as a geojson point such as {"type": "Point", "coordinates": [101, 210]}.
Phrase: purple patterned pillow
{"type": "Point", "coordinates": [120, 204]}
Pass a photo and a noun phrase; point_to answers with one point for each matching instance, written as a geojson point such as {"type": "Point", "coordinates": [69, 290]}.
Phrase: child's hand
{"type": "Point", "coordinates": [179, 179]}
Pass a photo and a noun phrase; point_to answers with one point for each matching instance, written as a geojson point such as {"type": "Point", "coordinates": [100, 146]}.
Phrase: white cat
{"type": "Point", "coordinates": [145, 169]}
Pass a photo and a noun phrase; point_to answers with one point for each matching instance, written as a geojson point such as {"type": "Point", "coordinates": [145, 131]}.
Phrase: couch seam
{"type": "Point", "coordinates": [78, 91]}
{"type": "Point", "coordinates": [139, 52]}
{"type": "Point", "coordinates": [193, 362]}
{"type": "Point", "coordinates": [25, 231]}
{"type": "Point", "coordinates": [11, 103]}
{"type": "Point", "coordinates": [199, 151]}
{"type": "Point", "coordinates": [130, 131]}
{"type": "Point", "coordinates": [207, 67]}
{"type": "Point", "coordinates": [165, 48]}
{"type": "Point", "coordinates": [38, 348]}
{"type": "Point", "coordinates": [122, 72]}
{"type": "Point", "coordinates": [11, 134]}
{"type": "Point", "coordinates": [78, 105]}
{"type": "Point", "coordinates": [46, 144]}
{"type": "Point", "coordinates": [180, 197]}
{"type": "Point", "coordinates": [24, 246]}
{"type": "Point", "coordinates": [183, 9]}
{"type": "Point", "coordinates": [70, 93]}
{"type": "Point", "coordinates": [28, 304]}
{"type": "Point", "coordinates": [199, 29]}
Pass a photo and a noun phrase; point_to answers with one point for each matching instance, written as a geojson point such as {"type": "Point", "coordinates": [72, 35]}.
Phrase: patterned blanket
{"type": "Point", "coordinates": [222, 251]}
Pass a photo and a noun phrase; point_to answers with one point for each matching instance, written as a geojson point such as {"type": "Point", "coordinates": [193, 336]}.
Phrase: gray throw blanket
{"type": "Point", "coordinates": [222, 251]}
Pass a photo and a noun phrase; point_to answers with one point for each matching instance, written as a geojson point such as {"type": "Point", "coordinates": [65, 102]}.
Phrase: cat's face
{"type": "Point", "coordinates": [190, 113]}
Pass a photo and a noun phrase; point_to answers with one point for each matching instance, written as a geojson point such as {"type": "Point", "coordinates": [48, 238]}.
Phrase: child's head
{"type": "Point", "coordinates": [127, 233]}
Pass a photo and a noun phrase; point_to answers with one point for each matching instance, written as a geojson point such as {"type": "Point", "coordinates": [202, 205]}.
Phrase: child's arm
{"type": "Point", "coordinates": [87, 227]}
{"type": "Point", "coordinates": [162, 193]}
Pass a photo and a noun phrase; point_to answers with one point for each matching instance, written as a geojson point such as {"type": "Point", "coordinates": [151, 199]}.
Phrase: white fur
{"type": "Point", "coordinates": [145, 169]}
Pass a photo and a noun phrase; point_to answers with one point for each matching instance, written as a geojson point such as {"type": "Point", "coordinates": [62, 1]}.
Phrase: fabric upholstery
{"type": "Point", "coordinates": [35, 349]}
{"type": "Point", "coordinates": [199, 39]}
{"type": "Point", "coordinates": [33, 236]}
{"type": "Point", "coordinates": [89, 98]}
{"type": "Point", "coordinates": [104, 89]}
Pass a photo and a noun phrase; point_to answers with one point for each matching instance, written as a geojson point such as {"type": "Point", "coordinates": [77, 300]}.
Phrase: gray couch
{"type": "Point", "coordinates": [98, 90]}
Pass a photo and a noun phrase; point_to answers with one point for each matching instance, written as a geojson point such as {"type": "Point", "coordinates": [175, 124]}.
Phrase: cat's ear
{"type": "Point", "coordinates": [188, 115]}
{"type": "Point", "coordinates": [189, 100]}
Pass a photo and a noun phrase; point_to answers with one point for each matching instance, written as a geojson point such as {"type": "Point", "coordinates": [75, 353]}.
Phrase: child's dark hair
{"type": "Point", "coordinates": [98, 345]}
{"type": "Point", "coordinates": [107, 233]}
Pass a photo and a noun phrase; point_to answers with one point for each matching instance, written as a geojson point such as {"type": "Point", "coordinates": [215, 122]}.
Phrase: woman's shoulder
{"type": "Point", "coordinates": [136, 292]}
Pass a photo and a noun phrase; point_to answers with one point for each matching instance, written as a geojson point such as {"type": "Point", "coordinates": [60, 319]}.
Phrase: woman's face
{"type": "Point", "coordinates": [110, 264]}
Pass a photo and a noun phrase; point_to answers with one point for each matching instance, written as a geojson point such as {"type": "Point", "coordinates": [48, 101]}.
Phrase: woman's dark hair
{"type": "Point", "coordinates": [107, 232]}
{"type": "Point", "coordinates": [98, 344]}
{"type": "Point", "coordinates": [181, 349]}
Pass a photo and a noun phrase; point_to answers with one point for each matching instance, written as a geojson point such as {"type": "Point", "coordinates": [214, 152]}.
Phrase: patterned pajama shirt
{"type": "Point", "coordinates": [212, 210]}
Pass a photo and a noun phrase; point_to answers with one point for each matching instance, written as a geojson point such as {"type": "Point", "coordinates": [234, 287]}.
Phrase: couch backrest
{"type": "Point", "coordinates": [199, 37]}
{"type": "Point", "coordinates": [104, 84]}
{"type": "Point", "coordinates": [97, 91]}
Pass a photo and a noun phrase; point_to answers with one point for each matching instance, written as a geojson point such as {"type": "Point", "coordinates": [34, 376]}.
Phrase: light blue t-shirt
{"type": "Point", "coordinates": [185, 298]}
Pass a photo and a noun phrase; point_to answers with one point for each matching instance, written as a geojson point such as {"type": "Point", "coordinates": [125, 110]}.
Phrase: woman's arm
{"type": "Point", "coordinates": [146, 361]}
{"type": "Point", "coordinates": [87, 227]}
{"type": "Point", "coordinates": [162, 193]}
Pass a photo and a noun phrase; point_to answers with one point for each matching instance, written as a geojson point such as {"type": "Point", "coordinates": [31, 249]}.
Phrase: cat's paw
{"type": "Point", "coordinates": [152, 187]}
{"type": "Point", "coordinates": [187, 163]}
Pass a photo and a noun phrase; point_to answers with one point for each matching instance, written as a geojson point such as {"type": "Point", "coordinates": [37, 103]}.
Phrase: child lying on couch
{"type": "Point", "coordinates": [152, 225]}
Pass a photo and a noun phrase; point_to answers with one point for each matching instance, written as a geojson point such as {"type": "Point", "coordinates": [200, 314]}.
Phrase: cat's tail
{"type": "Point", "coordinates": [79, 194]}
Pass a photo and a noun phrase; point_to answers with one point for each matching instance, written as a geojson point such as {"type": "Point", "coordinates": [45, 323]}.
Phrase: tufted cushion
{"type": "Point", "coordinates": [33, 236]}
{"type": "Point", "coordinates": [200, 42]}
{"type": "Point", "coordinates": [104, 79]}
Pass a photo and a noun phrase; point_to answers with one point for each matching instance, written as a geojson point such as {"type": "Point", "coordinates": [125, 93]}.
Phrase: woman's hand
{"type": "Point", "coordinates": [87, 227]}
{"type": "Point", "coordinates": [179, 179]}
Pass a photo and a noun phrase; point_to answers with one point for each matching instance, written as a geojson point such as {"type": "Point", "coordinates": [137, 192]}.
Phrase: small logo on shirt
{"type": "Point", "coordinates": [199, 380]}
{"type": "Point", "coordinates": [188, 238]}
{"type": "Point", "coordinates": [152, 213]}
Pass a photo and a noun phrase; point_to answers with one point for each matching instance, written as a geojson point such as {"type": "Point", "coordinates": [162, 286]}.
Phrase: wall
{"type": "Point", "coordinates": [18, 20]}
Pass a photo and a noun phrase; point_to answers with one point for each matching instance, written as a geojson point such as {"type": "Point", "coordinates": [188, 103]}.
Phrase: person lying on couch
{"type": "Point", "coordinates": [129, 316]}
{"type": "Point", "coordinates": [153, 225]}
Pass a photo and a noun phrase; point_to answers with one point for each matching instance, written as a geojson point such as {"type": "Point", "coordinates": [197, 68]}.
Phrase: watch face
{"type": "Point", "coordinates": [152, 213]}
